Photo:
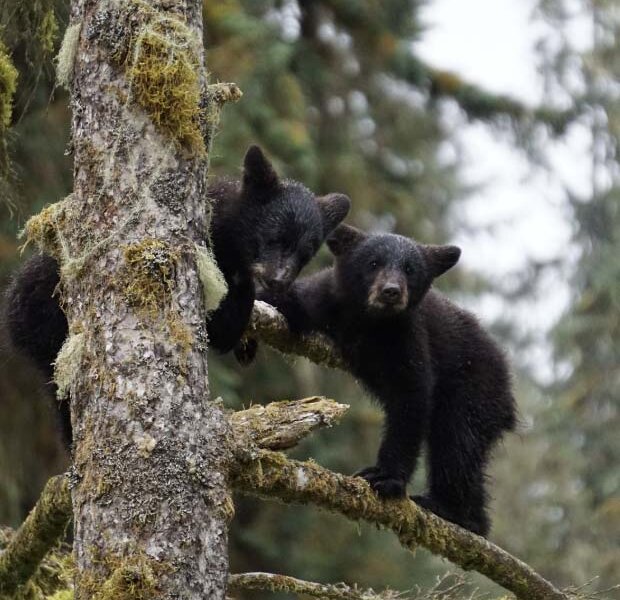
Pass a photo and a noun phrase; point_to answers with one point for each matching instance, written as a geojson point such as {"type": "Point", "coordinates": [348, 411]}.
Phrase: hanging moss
{"type": "Point", "coordinates": [65, 60]}
{"type": "Point", "coordinates": [160, 54]}
{"type": "Point", "coordinates": [214, 285]}
{"type": "Point", "coordinates": [42, 229]}
{"type": "Point", "coordinates": [47, 32]}
{"type": "Point", "coordinates": [33, 25]}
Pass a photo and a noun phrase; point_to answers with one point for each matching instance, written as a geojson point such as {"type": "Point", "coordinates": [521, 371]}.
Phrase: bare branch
{"type": "Point", "coordinates": [272, 475]}
{"type": "Point", "coordinates": [283, 583]}
{"type": "Point", "coordinates": [221, 93]}
{"type": "Point", "coordinates": [38, 533]}
{"type": "Point", "coordinates": [281, 425]}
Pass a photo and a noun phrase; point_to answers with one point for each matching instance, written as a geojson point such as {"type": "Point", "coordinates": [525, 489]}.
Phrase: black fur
{"type": "Point", "coordinates": [437, 374]}
{"type": "Point", "coordinates": [263, 228]}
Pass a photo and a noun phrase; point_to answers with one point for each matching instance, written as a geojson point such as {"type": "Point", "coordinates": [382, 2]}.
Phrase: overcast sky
{"type": "Point", "coordinates": [520, 212]}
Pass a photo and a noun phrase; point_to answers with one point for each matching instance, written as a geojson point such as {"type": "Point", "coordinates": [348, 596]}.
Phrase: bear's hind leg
{"type": "Point", "coordinates": [457, 461]}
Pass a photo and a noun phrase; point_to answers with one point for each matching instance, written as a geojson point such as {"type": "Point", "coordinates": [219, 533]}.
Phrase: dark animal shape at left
{"type": "Point", "coordinates": [263, 228]}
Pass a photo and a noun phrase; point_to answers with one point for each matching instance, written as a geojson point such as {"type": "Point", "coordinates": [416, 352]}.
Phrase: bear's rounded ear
{"type": "Point", "coordinates": [441, 258]}
{"type": "Point", "coordinates": [334, 208]}
{"type": "Point", "coordinates": [260, 180]}
{"type": "Point", "coordinates": [343, 239]}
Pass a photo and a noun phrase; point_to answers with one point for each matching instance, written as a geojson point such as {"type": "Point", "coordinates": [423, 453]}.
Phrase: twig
{"type": "Point", "coordinates": [283, 583]}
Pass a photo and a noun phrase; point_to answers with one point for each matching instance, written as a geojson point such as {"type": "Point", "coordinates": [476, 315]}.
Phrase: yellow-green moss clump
{"type": "Point", "coordinates": [148, 275]}
{"type": "Point", "coordinates": [214, 285]}
{"type": "Point", "coordinates": [133, 577]}
{"type": "Point", "coordinates": [62, 595]}
{"type": "Point", "coordinates": [8, 86]}
{"type": "Point", "coordinates": [163, 70]}
{"type": "Point", "coordinates": [42, 229]}
{"type": "Point", "coordinates": [47, 31]}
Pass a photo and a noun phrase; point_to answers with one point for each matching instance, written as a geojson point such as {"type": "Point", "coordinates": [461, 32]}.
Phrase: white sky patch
{"type": "Point", "coordinates": [519, 212]}
{"type": "Point", "coordinates": [489, 42]}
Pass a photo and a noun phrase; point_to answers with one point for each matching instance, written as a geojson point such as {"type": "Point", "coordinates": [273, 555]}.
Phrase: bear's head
{"type": "Point", "coordinates": [385, 274]}
{"type": "Point", "coordinates": [288, 222]}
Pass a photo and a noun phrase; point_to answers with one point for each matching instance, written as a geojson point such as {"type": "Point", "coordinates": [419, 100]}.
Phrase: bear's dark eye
{"type": "Point", "coordinates": [408, 269]}
{"type": "Point", "coordinates": [373, 264]}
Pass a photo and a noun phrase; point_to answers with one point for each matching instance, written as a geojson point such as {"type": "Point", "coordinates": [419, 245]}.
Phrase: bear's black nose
{"type": "Point", "coordinates": [390, 293]}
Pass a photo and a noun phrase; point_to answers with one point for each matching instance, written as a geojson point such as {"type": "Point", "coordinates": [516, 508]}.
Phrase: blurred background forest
{"type": "Point", "coordinates": [336, 93]}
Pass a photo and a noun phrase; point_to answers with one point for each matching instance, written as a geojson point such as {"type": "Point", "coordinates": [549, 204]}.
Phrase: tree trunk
{"type": "Point", "coordinates": [151, 450]}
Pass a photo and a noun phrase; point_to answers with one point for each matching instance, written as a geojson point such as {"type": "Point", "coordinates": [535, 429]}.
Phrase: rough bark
{"type": "Point", "coordinates": [151, 450]}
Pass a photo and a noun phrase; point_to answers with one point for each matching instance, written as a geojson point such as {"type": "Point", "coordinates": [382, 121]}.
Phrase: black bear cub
{"type": "Point", "coordinates": [437, 374]}
{"type": "Point", "coordinates": [263, 228]}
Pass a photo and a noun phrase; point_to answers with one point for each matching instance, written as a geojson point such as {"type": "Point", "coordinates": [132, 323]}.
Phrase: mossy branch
{"type": "Point", "coordinates": [272, 475]}
{"type": "Point", "coordinates": [38, 534]}
{"type": "Point", "coordinates": [283, 583]}
{"type": "Point", "coordinates": [267, 324]}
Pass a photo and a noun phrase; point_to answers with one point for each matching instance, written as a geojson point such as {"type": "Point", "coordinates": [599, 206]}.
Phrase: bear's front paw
{"type": "Point", "coordinates": [245, 351]}
{"type": "Point", "coordinates": [425, 502]}
{"type": "Point", "coordinates": [384, 483]}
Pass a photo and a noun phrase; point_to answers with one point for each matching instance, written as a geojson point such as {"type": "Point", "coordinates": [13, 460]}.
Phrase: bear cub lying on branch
{"type": "Point", "coordinates": [263, 228]}
{"type": "Point", "coordinates": [437, 374]}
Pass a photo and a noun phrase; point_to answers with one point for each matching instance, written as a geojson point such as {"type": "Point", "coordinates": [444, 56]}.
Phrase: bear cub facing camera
{"type": "Point", "coordinates": [263, 229]}
{"type": "Point", "coordinates": [439, 377]}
